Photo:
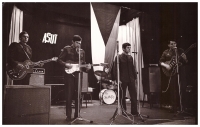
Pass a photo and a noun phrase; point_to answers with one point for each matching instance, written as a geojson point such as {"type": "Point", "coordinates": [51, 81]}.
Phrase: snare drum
{"type": "Point", "coordinates": [107, 96]}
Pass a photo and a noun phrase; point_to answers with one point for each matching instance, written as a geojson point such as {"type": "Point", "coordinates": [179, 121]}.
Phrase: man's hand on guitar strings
{"type": "Point", "coordinates": [167, 66]}
{"type": "Point", "coordinates": [19, 67]}
{"type": "Point", "coordinates": [67, 65]}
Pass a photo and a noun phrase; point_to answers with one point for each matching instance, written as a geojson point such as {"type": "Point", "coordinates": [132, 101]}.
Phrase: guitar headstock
{"type": "Point", "coordinates": [54, 59]}
{"type": "Point", "coordinates": [193, 45]}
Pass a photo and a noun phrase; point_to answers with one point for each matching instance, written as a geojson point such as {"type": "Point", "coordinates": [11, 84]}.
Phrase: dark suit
{"type": "Point", "coordinates": [15, 53]}
{"type": "Point", "coordinates": [127, 77]}
{"type": "Point", "coordinates": [70, 55]}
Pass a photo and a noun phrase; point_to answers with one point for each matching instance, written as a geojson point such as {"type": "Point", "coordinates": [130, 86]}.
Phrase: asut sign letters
{"type": "Point", "coordinates": [49, 38]}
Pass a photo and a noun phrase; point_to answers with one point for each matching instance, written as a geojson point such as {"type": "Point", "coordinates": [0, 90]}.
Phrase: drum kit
{"type": "Point", "coordinates": [107, 96]}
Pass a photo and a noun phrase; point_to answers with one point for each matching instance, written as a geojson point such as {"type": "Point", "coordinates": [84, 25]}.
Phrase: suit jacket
{"type": "Point", "coordinates": [168, 54]}
{"type": "Point", "coordinates": [70, 55]}
{"type": "Point", "coordinates": [126, 68]}
{"type": "Point", "coordinates": [16, 53]}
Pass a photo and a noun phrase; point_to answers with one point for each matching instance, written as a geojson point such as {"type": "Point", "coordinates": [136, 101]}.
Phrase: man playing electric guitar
{"type": "Point", "coordinates": [70, 55]}
{"type": "Point", "coordinates": [19, 52]}
{"type": "Point", "coordinates": [168, 63]}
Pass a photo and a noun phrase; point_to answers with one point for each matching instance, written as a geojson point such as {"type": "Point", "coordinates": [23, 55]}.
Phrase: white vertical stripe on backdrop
{"type": "Point", "coordinates": [131, 33]}
{"type": "Point", "coordinates": [139, 56]}
{"type": "Point", "coordinates": [111, 44]}
{"type": "Point", "coordinates": [97, 43]}
{"type": "Point", "coordinates": [16, 25]}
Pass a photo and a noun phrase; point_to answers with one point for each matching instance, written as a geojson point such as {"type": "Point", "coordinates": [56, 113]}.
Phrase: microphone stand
{"type": "Point", "coordinates": [100, 82]}
{"type": "Point", "coordinates": [79, 93]}
{"type": "Point", "coordinates": [138, 96]}
{"type": "Point", "coordinates": [119, 110]}
{"type": "Point", "coordinates": [180, 96]}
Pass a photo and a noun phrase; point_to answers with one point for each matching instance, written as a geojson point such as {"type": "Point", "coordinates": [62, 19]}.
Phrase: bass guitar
{"type": "Point", "coordinates": [76, 67]}
{"type": "Point", "coordinates": [19, 73]}
{"type": "Point", "coordinates": [172, 63]}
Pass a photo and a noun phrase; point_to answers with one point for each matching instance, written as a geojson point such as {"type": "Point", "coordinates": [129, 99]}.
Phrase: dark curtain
{"type": "Point", "coordinates": [7, 12]}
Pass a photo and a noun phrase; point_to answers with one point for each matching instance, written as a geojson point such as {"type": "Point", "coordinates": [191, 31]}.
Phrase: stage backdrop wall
{"type": "Point", "coordinates": [38, 26]}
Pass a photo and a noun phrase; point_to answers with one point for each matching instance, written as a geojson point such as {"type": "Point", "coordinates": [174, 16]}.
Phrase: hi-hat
{"type": "Point", "coordinates": [101, 73]}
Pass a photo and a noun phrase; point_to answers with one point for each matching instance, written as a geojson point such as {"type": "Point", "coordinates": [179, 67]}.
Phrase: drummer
{"type": "Point", "coordinates": [107, 83]}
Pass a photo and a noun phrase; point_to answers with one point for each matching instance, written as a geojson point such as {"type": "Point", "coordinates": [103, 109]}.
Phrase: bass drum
{"type": "Point", "coordinates": [107, 96]}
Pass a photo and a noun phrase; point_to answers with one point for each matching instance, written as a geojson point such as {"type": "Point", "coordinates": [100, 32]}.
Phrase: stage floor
{"type": "Point", "coordinates": [101, 115]}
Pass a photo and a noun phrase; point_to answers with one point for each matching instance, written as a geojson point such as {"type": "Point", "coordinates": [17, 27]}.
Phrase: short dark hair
{"type": "Point", "coordinates": [125, 45]}
{"type": "Point", "coordinates": [22, 33]}
{"type": "Point", "coordinates": [77, 38]}
{"type": "Point", "coordinates": [171, 40]}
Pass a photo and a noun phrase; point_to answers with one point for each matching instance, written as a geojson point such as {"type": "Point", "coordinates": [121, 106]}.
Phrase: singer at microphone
{"type": "Point", "coordinates": [69, 55]}
{"type": "Point", "coordinates": [166, 61]}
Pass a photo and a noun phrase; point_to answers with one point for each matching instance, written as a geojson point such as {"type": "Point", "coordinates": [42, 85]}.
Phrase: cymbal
{"type": "Point", "coordinates": [101, 73]}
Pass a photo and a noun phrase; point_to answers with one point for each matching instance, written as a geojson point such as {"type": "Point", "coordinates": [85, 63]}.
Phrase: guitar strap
{"type": "Point", "coordinates": [25, 52]}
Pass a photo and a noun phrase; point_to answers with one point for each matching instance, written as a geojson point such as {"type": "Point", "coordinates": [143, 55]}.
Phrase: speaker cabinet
{"type": "Point", "coordinates": [25, 104]}
{"type": "Point", "coordinates": [151, 79]}
{"type": "Point", "coordinates": [37, 79]}
{"type": "Point", "coordinates": [57, 94]}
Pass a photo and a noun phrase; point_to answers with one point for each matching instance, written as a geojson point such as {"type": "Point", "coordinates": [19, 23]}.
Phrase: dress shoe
{"type": "Point", "coordinates": [75, 116]}
{"type": "Point", "coordinates": [135, 113]}
{"type": "Point", "coordinates": [68, 119]}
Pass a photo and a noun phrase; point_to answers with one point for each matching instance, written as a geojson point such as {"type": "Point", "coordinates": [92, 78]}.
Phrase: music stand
{"type": "Point", "coordinates": [79, 92]}
{"type": "Point", "coordinates": [119, 110]}
{"type": "Point", "coordinates": [179, 87]}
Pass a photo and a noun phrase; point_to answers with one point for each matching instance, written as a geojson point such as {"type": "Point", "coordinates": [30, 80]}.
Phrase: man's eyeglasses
{"type": "Point", "coordinates": [78, 42]}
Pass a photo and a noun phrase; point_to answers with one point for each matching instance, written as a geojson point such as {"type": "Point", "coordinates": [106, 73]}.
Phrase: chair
{"type": "Point", "coordinates": [86, 91]}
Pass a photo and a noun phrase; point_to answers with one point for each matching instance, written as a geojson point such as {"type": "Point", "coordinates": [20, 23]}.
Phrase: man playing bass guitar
{"type": "Point", "coordinates": [19, 52]}
{"type": "Point", "coordinates": [168, 63]}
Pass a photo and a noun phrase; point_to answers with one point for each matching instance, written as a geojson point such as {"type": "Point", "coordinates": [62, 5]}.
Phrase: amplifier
{"type": "Point", "coordinates": [38, 71]}
{"type": "Point", "coordinates": [25, 104]}
{"type": "Point", "coordinates": [36, 79]}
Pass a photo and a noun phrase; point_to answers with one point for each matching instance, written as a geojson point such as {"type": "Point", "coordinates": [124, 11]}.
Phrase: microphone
{"type": "Point", "coordinates": [175, 49]}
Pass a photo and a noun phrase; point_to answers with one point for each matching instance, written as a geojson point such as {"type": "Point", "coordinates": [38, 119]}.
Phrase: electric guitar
{"type": "Point", "coordinates": [172, 63]}
{"type": "Point", "coordinates": [19, 73]}
{"type": "Point", "coordinates": [75, 67]}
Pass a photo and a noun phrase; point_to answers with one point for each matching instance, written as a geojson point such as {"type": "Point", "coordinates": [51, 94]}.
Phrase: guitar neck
{"type": "Point", "coordinates": [44, 61]}
{"type": "Point", "coordinates": [185, 52]}
{"type": "Point", "coordinates": [95, 64]}
{"type": "Point", "coordinates": [88, 64]}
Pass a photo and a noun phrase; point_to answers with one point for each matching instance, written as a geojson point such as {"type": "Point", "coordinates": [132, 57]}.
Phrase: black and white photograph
{"type": "Point", "coordinates": [99, 63]}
